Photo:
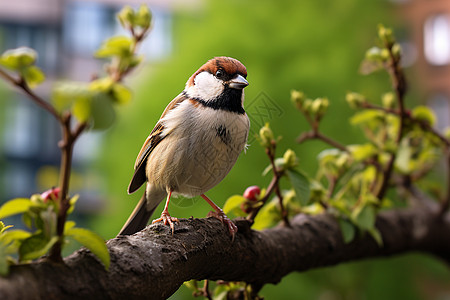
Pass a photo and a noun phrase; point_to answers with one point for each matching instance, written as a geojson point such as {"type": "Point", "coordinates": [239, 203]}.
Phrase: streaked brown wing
{"type": "Point", "coordinates": [155, 137]}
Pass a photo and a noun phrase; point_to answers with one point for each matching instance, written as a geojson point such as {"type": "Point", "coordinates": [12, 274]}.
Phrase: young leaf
{"type": "Point", "coordinates": [365, 218]}
{"type": "Point", "coordinates": [16, 59]}
{"type": "Point", "coordinates": [121, 93]}
{"type": "Point", "coordinates": [268, 216]}
{"type": "Point", "coordinates": [367, 117]}
{"type": "Point", "coordinates": [92, 241]}
{"type": "Point", "coordinates": [143, 17]}
{"type": "Point", "coordinates": [14, 235]}
{"type": "Point", "coordinates": [233, 204]}
{"type": "Point", "coordinates": [300, 183]}
{"type": "Point", "coordinates": [33, 76]}
{"type": "Point", "coordinates": [348, 230]}
{"type": "Point", "coordinates": [375, 233]}
{"type": "Point", "coordinates": [403, 159]}
{"type": "Point", "coordinates": [424, 114]}
{"type": "Point", "coordinates": [362, 152]}
{"type": "Point", "coordinates": [35, 246]}
{"type": "Point", "coordinates": [126, 16]}
{"type": "Point", "coordinates": [116, 46]}
{"type": "Point", "coordinates": [82, 109]}
{"type": "Point", "coordinates": [14, 207]}
{"type": "Point", "coordinates": [65, 94]}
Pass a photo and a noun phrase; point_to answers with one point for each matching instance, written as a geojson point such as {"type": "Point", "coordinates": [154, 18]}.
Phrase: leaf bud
{"type": "Point", "coordinates": [266, 136]}
{"type": "Point", "coordinates": [355, 100]}
{"type": "Point", "coordinates": [290, 159]}
{"type": "Point", "coordinates": [297, 98]}
{"type": "Point", "coordinates": [388, 100]}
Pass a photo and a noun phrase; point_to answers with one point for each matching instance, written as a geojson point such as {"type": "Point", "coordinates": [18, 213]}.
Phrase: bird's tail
{"type": "Point", "coordinates": [138, 219]}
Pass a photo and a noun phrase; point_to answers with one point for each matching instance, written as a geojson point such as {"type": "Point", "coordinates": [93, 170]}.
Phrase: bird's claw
{"type": "Point", "coordinates": [167, 219]}
{"type": "Point", "coordinates": [232, 228]}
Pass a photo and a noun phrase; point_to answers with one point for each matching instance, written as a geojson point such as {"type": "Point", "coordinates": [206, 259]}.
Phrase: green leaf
{"type": "Point", "coordinates": [365, 218]}
{"type": "Point", "coordinates": [233, 205]}
{"type": "Point", "coordinates": [14, 235]}
{"type": "Point", "coordinates": [33, 76]}
{"type": "Point", "coordinates": [68, 225]}
{"type": "Point", "coordinates": [268, 216]}
{"type": "Point", "coordinates": [424, 114]}
{"type": "Point", "coordinates": [121, 93]}
{"type": "Point", "coordinates": [72, 203]}
{"type": "Point", "coordinates": [362, 152]}
{"type": "Point", "coordinates": [403, 159]}
{"type": "Point", "coordinates": [367, 117]}
{"type": "Point", "coordinates": [95, 243]}
{"type": "Point", "coordinates": [16, 59]}
{"type": "Point", "coordinates": [27, 219]}
{"type": "Point", "coordinates": [35, 246]}
{"type": "Point", "coordinates": [82, 109]}
{"type": "Point", "coordinates": [126, 16]}
{"type": "Point", "coordinates": [143, 17]}
{"type": "Point", "coordinates": [300, 183]}
{"type": "Point", "coordinates": [375, 233]}
{"type": "Point", "coordinates": [14, 207]}
{"type": "Point", "coordinates": [101, 85]}
{"type": "Point", "coordinates": [115, 46]}
{"type": "Point", "coordinates": [65, 94]}
{"type": "Point", "coordinates": [348, 230]}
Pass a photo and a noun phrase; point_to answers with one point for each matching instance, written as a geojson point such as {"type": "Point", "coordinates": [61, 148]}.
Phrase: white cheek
{"type": "Point", "coordinates": [207, 87]}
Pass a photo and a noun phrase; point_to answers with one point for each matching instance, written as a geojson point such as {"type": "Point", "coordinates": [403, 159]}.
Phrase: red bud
{"type": "Point", "coordinates": [51, 194]}
{"type": "Point", "coordinates": [252, 192]}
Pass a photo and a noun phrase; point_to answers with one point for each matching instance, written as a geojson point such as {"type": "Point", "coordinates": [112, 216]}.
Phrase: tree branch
{"type": "Point", "coordinates": [153, 263]}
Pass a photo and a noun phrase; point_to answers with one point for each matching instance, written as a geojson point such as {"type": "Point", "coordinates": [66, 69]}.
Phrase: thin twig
{"type": "Point", "coordinates": [446, 202]}
{"type": "Point", "coordinates": [399, 85]}
{"type": "Point", "coordinates": [21, 84]}
{"type": "Point", "coordinates": [309, 135]}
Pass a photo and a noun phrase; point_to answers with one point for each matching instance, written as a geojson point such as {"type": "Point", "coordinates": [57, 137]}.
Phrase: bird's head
{"type": "Point", "coordinates": [219, 84]}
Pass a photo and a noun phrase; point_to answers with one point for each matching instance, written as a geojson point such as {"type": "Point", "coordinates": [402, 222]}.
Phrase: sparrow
{"type": "Point", "coordinates": [194, 144]}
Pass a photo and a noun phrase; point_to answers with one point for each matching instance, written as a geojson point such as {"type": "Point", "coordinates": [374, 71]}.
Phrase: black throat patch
{"type": "Point", "coordinates": [229, 100]}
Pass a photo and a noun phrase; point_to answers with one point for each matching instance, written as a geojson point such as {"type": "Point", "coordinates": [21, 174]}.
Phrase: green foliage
{"type": "Point", "coordinates": [22, 60]}
{"type": "Point", "coordinates": [129, 18]}
{"type": "Point", "coordinates": [40, 215]}
{"type": "Point", "coordinates": [351, 181]}
{"type": "Point", "coordinates": [92, 241]}
{"type": "Point", "coordinates": [93, 102]}
{"type": "Point", "coordinates": [92, 105]}
{"type": "Point", "coordinates": [300, 184]}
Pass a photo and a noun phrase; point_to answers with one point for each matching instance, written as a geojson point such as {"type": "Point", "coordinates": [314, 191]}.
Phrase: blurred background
{"type": "Point", "coordinates": [313, 46]}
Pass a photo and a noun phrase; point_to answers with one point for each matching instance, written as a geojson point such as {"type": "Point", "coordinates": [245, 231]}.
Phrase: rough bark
{"type": "Point", "coordinates": [152, 264]}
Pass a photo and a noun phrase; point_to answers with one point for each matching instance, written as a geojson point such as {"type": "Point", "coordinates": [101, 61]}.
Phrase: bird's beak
{"type": "Point", "coordinates": [238, 82]}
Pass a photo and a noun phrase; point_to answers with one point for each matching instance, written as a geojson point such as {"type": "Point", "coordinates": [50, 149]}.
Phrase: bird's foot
{"type": "Point", "coordinates": [232, 228]}
{"type": "Point", "coordinates": [167, 219]}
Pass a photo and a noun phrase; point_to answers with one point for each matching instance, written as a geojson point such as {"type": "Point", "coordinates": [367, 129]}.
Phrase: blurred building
{"type": "Point", "coordinates": [65, 33]}
{"type": "Point", "coordinates": [428, 24]}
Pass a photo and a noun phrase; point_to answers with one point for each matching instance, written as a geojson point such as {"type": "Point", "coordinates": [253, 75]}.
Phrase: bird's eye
{"type": "Point", "coordinates": [220, 73]}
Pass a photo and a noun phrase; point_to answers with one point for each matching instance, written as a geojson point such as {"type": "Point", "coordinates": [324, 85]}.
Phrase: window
{"type": "Point", "coordinates": [437, 40]}
{"type": "Point", "coordinates": [440, 104]}
{"type": "Point", "coordinates": [86, 25]}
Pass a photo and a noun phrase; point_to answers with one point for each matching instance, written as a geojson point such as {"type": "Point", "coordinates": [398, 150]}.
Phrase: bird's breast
{"type": "Point", "coordinates": [201, 147]}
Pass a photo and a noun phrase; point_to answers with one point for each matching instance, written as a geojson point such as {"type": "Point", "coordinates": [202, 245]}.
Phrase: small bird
{"type": "Point", "coordinates": [194, 144]}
